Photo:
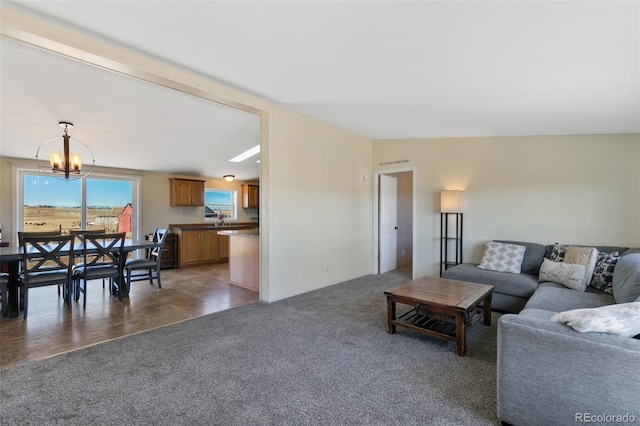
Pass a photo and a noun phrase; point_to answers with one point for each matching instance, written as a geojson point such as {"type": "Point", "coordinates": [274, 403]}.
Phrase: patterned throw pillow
{"type": "Point", "coordinates": [502, 257]}
{"type": "Point", "coordinates": [622, 319]}
{"type": "Point", "coordinates": [603, 274]}
{"type": "Point", "coordinates": [557, 254]}
{"type": "Point", "coordinates": [585, 256]}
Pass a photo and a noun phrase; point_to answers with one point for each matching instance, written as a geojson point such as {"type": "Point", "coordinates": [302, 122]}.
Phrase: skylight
{"type": "Point", "coordinates": [249, 153]}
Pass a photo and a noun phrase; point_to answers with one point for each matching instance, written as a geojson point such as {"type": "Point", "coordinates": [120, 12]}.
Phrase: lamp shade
{"type": "Point", "coordinates": [451, 201]}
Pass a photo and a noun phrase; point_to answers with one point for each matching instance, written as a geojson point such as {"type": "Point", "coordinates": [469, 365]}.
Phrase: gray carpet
{"type": "Point", "coordinates": [322, 358]}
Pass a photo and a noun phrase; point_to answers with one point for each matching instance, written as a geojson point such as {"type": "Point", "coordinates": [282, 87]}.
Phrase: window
{"type": "Point", "coordinates": [217, 201]}
{"type": "Point", "coordinates": [100, 201]}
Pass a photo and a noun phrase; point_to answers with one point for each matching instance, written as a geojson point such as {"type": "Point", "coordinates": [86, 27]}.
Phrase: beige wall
{"type": "Point", "coordinates": [320, 207]}
{"type": "Point", "coordinates": [573, 189]}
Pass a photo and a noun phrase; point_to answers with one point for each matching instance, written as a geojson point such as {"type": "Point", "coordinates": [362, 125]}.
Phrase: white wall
{"type": "Point", "coordinates": [572, 189]}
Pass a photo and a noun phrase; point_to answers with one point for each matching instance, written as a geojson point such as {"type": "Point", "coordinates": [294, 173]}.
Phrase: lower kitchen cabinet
{"type": "Point", "coordinates": [198, 247]}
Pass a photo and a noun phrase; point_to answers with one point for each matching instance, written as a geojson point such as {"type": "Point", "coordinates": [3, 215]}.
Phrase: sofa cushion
{"type": "Point", "coordinates": [556, 299]}
{"type": "Point", "coordinates": [626, 279]}
{"type": "Point", "coordinates": [568, 274]}
{"type": "Point", "coordinates": [533, 256]}
{"type": "Point", "coordinates": [622, 319]}
{"type": "Point", "coordinates": [521, 285]}
{"type": "Point", "coordinates": [502, 257]}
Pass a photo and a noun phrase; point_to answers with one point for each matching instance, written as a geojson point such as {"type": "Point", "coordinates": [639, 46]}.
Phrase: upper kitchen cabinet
{"type": "Point", "coordinates": [186, 192]}
{"type": "Point", "coordinates": [250, 196]}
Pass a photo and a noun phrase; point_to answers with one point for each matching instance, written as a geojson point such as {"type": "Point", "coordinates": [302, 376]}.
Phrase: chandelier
{"type": "Point", "coordinates": [66, 163]}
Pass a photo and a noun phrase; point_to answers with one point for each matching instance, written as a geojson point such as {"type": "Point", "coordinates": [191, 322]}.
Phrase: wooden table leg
{"type": "Point", "coordinates": [391, 315]}
{"type": "Point", "coordinates": [487, 310]}
{"type": "Point", "coordinates": [461, 334]}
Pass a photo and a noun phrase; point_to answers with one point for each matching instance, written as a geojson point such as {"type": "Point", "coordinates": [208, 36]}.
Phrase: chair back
{"type": "Point", "coordinates": [159, 235]}
{"type": "Point", "coordinates": [46, 253]}
{"type": "Point", "coordinates": [101, 250]}
{"type": "Point", "coordinates": [56, 233]}
{"type": "Point", "coordinates": [80, 232]}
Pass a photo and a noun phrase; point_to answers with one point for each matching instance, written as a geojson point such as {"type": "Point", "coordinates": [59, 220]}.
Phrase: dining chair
{"type": "Point", "coordinates": [78, 233]}
{"type": "Point", "coordinates": [57, 232]}
{"type": "Point", "coordinates": [46, 260]}
{"type": "Point", "coordinates": [151, 263]}
{"type": "Point", "coordinates": [102, 257]}
{"type": "Point", "coordinates": [4, 280]}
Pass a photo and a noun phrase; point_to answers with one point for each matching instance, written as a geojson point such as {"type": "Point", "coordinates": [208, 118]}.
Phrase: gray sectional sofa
{"type": "Point", "coordinates": [547, 372]}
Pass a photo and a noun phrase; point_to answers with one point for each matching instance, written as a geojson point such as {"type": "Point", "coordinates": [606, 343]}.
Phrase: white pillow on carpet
{"type": "Point", "coordinates": [503, 257]}
{"type": "Point", "coordinates": [621, 318]}
{"type": "Point", "coordinates": [570, 275]}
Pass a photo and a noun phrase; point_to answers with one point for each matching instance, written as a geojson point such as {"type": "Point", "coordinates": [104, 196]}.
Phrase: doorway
{"type": "Point", "coordinates": [394, 219]}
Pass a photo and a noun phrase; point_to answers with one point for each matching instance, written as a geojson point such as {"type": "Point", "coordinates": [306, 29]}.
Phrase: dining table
{"type": "Point", "coordinates": [12, 256]}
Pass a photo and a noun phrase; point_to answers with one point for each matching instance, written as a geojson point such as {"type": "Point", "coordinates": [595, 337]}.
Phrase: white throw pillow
{"type": "Point", "coordinates": [503, 257]}
{"type": "Point", "coordinates": [569, 275]}
{"type": "Point", "coordinates": [622, 319]}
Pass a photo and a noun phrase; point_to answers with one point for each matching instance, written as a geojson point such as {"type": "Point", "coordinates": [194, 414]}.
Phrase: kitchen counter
{"type": "Point", "coordinates": [231, 225]}
{"type": "Point", "coordinates": [244, 257]}
{"type": "Point", "coordinates": [252, 233]}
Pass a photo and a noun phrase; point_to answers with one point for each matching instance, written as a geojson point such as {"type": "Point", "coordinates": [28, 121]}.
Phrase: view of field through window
{"type": "Point", "coordinates": [51, 204]}
{"type": "Point", "coordinates": [219, 202]}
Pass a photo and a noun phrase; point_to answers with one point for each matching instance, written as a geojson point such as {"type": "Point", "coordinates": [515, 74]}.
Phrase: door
{"type": "Point", "coordinates": [388, 223]}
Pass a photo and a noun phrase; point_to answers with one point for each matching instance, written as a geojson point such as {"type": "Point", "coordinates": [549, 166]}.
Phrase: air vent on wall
{"type": "Point", "coordinates": [387, 163]}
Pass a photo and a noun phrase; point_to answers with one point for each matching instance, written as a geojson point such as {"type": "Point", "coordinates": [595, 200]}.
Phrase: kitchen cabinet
{"type": "Point", "coordinates": [223, 247]}
{"type": "Point", "coordinates": [250, 196]}
{"type": "Point", "coordinates": [198, 246]}
{"type": "Point", "coordinates": [186, 192]}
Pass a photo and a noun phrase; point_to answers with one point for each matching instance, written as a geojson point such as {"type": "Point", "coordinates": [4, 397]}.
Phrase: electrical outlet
{"type": "Point", "coordinates": [402, 253]}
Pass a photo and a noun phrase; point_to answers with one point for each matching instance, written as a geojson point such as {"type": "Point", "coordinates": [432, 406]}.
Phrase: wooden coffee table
{"type": "Point", "coordinates": [441, 308]}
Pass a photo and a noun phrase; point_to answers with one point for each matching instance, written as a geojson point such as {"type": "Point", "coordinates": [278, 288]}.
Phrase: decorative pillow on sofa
{"type": "Point", "coordinates": [622, 319]}
{"type": "Point", "coordinates": [603, 273]}
{"type": "Point", "coordinates": [533, 255]}
{"type": "Point", "coordinates": [502, 257]}
{"type": "Point", "coordinates": [570, 275]}
{"type": "Point", "coordinates": [586, 256]}
{"type": "Point", "coordinates": [557, 254]}
{"type": "Point", "coordinates": [626, 279]}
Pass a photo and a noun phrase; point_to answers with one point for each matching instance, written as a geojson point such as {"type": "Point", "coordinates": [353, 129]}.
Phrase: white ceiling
{"type": "Point", "coordinates": [385, 69]}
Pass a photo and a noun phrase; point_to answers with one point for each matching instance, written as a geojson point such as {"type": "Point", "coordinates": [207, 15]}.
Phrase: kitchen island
{"type": "Point", "coordinates": [244, 258]}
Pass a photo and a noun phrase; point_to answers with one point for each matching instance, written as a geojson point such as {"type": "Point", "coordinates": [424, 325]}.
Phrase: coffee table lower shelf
{"type": "Point", "coordinates": [444, 329]}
